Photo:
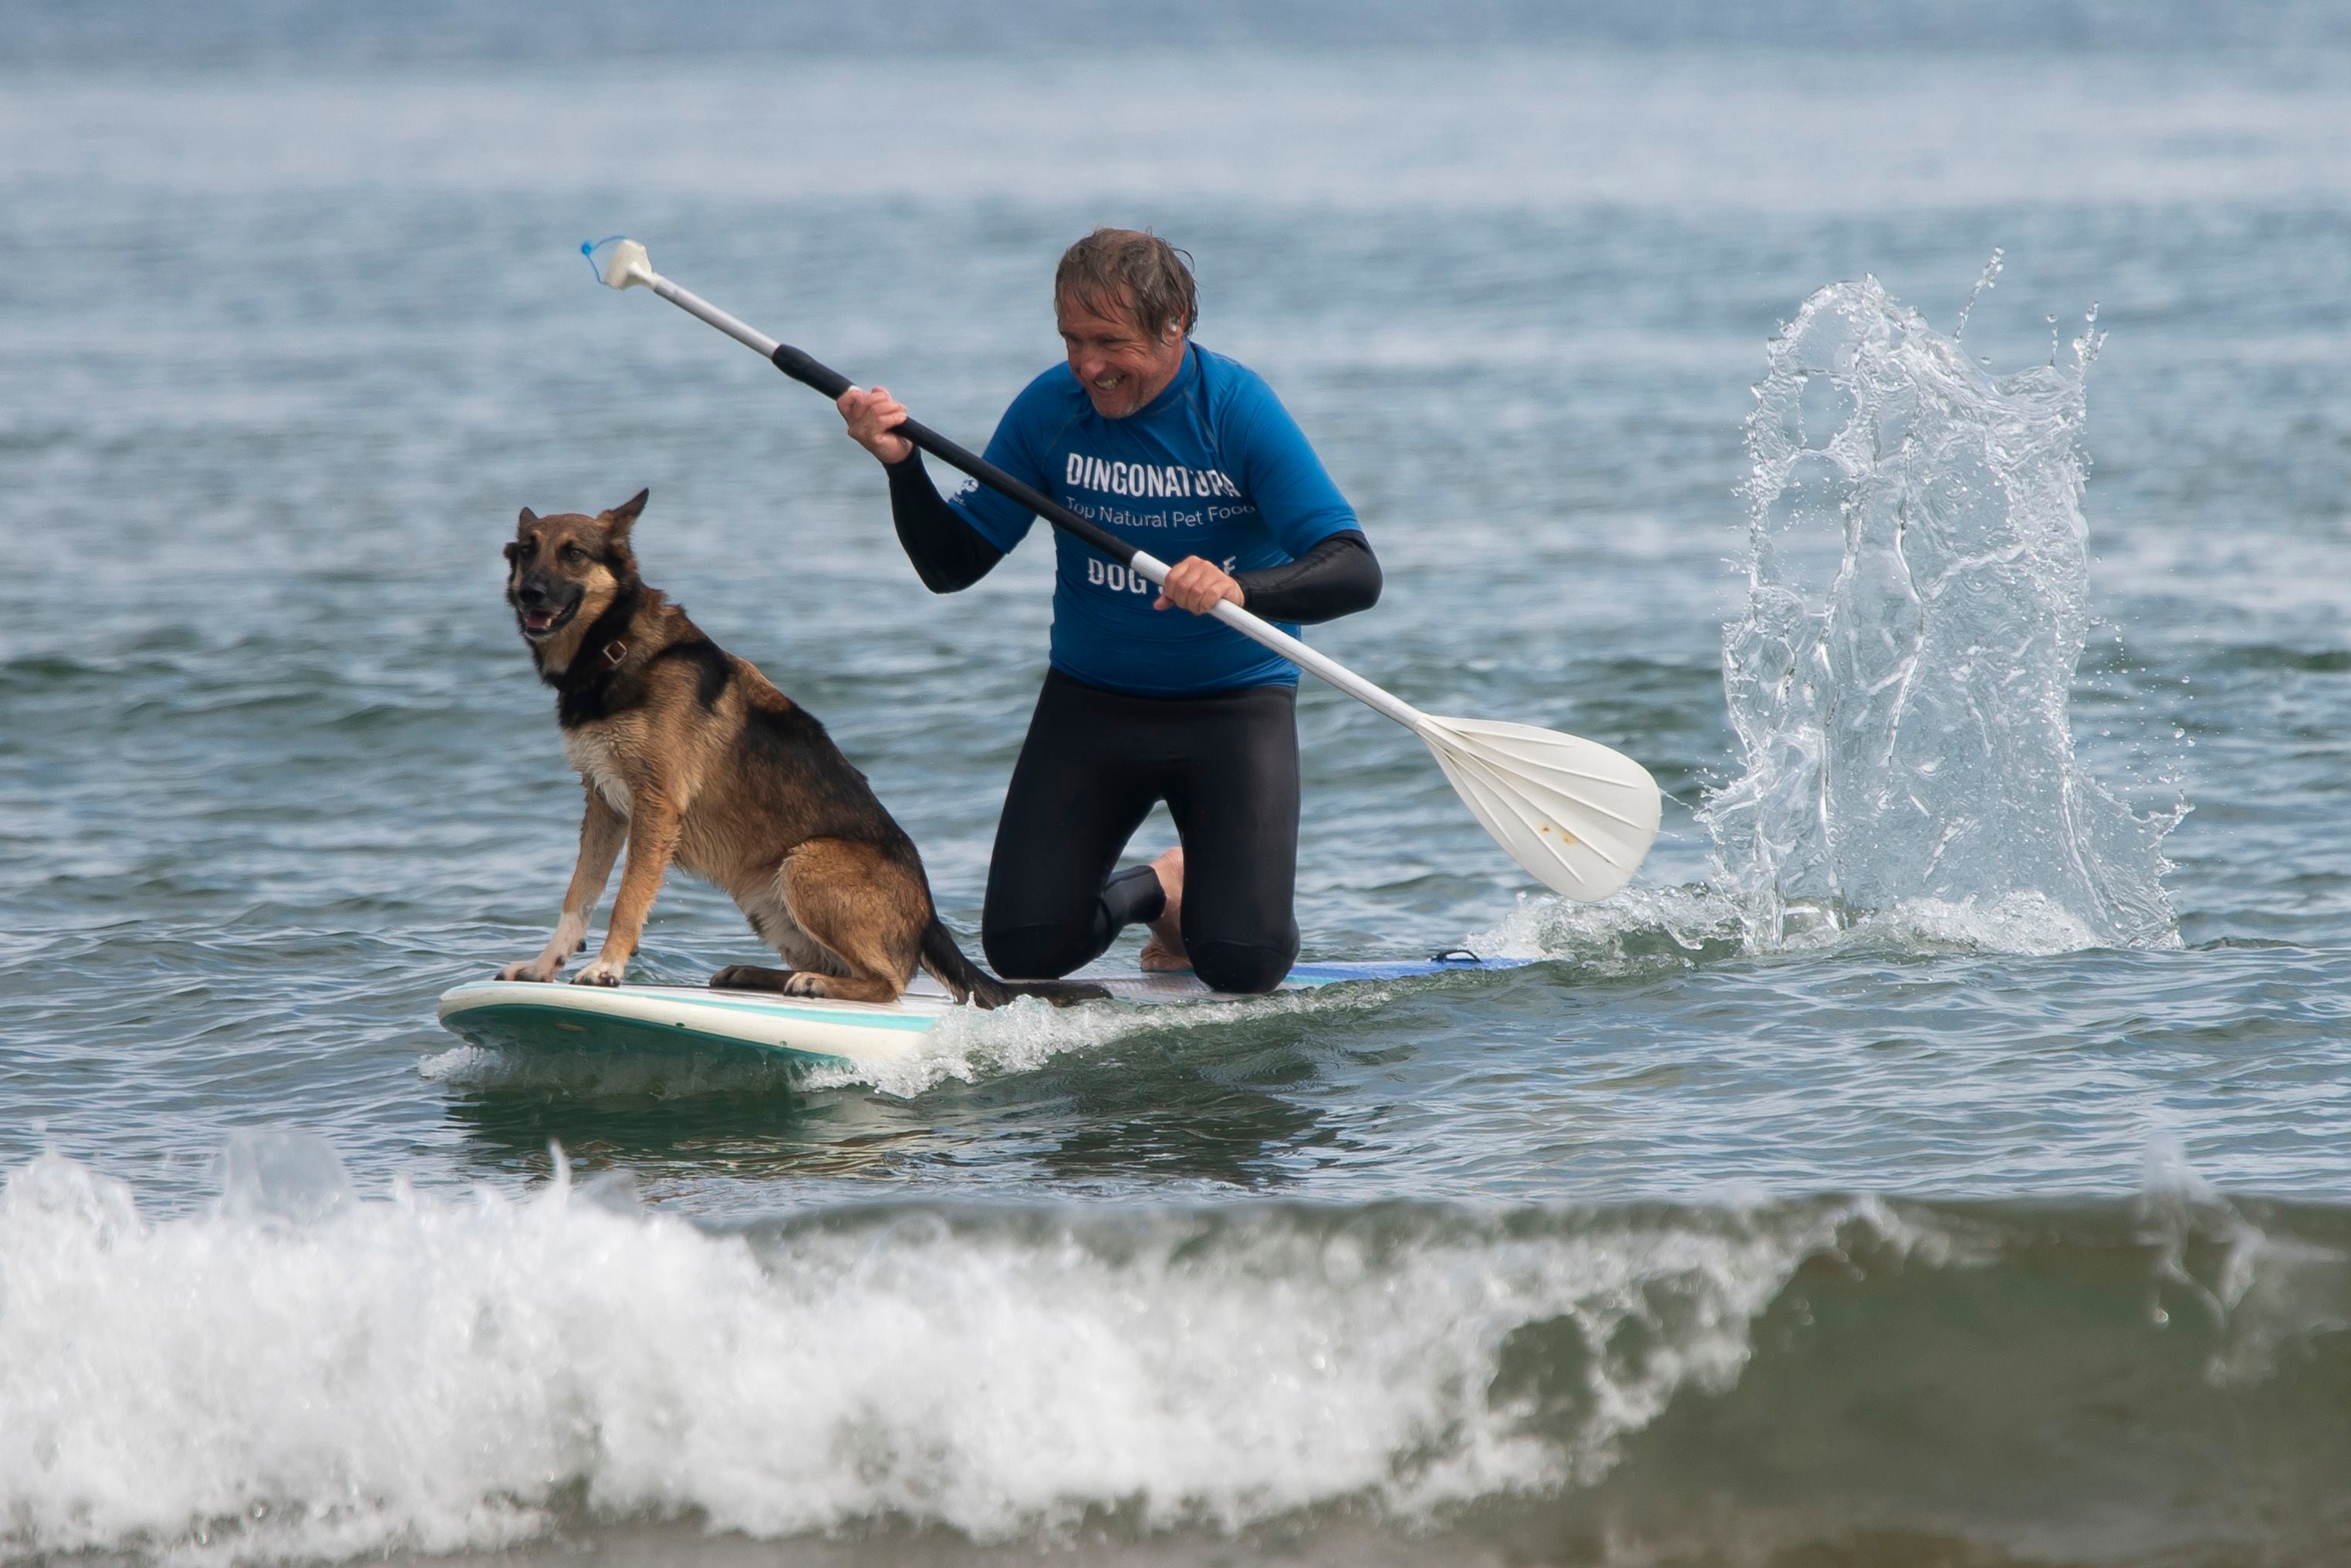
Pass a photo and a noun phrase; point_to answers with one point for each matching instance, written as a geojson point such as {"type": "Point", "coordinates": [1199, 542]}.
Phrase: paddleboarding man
{"type": "Point", "coordinates": [1189, 455]}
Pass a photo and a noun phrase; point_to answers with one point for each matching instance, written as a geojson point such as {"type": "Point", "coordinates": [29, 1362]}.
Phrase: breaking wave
{"type": "Point", "coordinates": [303, 1374]}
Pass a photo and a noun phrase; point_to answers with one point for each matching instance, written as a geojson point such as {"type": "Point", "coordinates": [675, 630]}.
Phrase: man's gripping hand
{"type": "Point", "coordinates": [871, 416]}
{"type": "Point", "coordinates": [1196, 585]}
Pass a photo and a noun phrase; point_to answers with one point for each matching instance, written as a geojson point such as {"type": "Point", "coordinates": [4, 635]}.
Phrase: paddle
{"type": "Point", "coordinates": [1576, 815]}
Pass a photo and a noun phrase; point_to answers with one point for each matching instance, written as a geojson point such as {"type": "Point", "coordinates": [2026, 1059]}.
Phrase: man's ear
{"type": "Point", "coordinates": [622, 518]}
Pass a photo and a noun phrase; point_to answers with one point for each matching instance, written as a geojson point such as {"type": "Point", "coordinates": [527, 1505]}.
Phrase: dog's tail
{"type": "Point", "coordinates": [966, 980]}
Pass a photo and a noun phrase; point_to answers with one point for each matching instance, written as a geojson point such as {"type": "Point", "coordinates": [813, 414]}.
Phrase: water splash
{"type": "Point", "coordinates": [1899, 680]}
{"type": "Point", "coordinates": [1984, 281]}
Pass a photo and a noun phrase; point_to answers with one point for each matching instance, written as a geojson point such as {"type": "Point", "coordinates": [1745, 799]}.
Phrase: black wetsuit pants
{"type": "Point", "coordinates": [1094, 764]}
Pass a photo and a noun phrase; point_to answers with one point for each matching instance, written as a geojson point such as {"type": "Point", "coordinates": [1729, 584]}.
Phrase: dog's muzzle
{"type": "Point", "coordinates": [542, 614]}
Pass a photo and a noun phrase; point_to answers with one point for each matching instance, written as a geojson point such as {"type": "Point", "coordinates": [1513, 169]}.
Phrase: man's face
{"type": "Point", "coordinates": [1121, 363]}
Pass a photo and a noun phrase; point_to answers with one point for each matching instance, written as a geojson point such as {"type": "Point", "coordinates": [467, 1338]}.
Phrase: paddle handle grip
{"type": "Point", "coordinates": [810, 372]}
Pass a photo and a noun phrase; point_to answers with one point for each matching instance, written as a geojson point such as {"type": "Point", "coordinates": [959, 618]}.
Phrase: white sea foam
{"type": "Point", "coordinates": [304, 1373]}
{"type": "Point", "coordinates": [1900, 679]}
{"type": "Point", "coordinates": [1639, 929]}
{"type": "Point", "coordinates": [970, 1043]}
{"type": "Point", "coordinates": [1643, 928]}
{"type": "Point", "coordinates": [459, 1065]}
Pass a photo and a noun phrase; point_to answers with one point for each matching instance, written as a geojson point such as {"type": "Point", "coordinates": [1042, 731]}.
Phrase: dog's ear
{"type": "Point", "coordinates": [622, 518]}
{"type": "Point", "coordinates": [512, 552]}
{"type": "Point", "coordinates": [528, 517]}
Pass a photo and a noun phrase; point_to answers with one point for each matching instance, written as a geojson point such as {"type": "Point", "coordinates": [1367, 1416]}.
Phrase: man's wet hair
{"type": "Point", "coordinates": [1132, 274]}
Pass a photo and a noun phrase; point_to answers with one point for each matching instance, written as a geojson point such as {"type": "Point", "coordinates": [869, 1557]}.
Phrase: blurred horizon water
{"type": "Point", "coordinates": [309, 33]}
{"type": "Point", "coordinates": [1936, 1156]}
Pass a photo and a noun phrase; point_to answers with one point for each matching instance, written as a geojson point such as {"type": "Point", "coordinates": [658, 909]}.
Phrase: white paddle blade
{"type": "Point", "coordinates": [630, 265]}
{"type": "Point", "coordinates": [1576, 815]}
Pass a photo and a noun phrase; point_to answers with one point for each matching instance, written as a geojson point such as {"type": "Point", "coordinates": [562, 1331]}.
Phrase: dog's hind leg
{"type": "Point", "coordinates": [654, 823]}
{"type": "Point", "coordinates": [600, 831]}
{"type": "Point", "coordinates": [865, 907]}
{"type": "Point", "coordinates": [750, 978]}
{"type": "Point", "coordinates": [763, 904]}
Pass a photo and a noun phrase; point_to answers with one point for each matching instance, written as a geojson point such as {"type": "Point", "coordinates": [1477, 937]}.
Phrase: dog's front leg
{"type": "Point", "coordinates": [601, 830]}
{"type": "Point", "coordinates": [653, 826]}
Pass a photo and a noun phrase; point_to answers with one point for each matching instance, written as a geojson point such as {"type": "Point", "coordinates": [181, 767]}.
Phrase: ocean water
{"type": "Point", "coordinates": [1920, 438]}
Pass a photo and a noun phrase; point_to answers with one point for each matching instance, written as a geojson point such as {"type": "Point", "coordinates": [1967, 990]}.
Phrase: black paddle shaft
{"type": "Point", "coordinates": [832, 384]}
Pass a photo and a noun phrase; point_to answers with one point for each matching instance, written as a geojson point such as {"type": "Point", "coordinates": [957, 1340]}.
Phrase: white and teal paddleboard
{"type": "Point", "coordinates": [517, 1015]}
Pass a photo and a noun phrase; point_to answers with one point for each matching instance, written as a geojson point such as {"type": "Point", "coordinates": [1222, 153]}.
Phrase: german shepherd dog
{"type": "Point", "coordinates": [688, 754]}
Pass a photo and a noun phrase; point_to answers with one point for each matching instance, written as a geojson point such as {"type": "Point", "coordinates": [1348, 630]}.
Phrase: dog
{"type": "Point", "coordinates": [688, 754]}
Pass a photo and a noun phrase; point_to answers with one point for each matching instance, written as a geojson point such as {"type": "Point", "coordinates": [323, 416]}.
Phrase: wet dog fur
{"type": "Point", "coordinates": [688, 755]}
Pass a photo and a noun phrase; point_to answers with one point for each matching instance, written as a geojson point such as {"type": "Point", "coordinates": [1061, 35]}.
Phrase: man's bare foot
{"type": "Point", "coordinates": [1164, 950]}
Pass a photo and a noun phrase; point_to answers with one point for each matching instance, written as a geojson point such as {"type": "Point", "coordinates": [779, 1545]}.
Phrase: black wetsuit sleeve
{"type": "Point", "coordinates": [947, 552]}
{"type": "Point", "coordinates": [1337, 576]}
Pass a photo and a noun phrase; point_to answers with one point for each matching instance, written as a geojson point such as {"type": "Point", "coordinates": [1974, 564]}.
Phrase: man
{"type": "Point", "coordinates": [1190, 455]}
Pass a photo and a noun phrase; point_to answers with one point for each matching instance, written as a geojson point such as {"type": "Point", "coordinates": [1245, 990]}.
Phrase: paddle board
{"type": "Point", "coordinates": [516, 1015]}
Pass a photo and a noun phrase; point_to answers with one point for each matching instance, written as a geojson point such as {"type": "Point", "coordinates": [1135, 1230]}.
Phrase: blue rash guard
{"type": "Point", "coordinates": [1213, 467]}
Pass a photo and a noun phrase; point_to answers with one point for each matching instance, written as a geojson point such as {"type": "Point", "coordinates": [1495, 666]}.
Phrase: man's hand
{"type": "Point", "coordinates": [870, 416]}
{"type": "Point", "coordinates": [1196, 585]}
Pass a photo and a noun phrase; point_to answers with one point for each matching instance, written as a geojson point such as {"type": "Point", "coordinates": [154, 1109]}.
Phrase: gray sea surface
{"type": "Point", "coordinates": [1941, 1154]}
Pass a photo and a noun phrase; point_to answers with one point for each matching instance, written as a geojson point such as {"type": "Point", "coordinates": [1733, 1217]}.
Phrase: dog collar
{"type": "Point", "coordinates": [615, 651]}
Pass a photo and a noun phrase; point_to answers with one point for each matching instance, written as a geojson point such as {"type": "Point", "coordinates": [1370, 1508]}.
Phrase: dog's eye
{"type": "Point", "coordinates": [573, 555]}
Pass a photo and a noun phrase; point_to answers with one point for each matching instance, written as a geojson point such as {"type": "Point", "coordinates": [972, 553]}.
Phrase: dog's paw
{"type": "Point", "coordinates": [530, 969]}
{"type": "Point", "coordinates": [603, 972]}
{"type": "Point", "coordinates": [806, 983]}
